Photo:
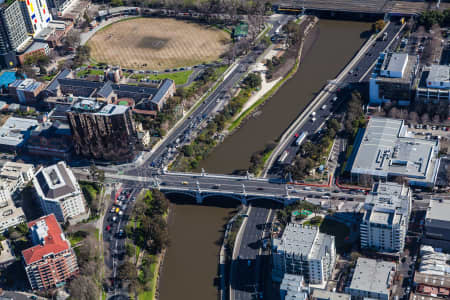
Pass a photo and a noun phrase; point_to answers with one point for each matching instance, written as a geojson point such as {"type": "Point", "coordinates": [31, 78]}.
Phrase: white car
{"type": "Point", "coordinates": [323, 107]}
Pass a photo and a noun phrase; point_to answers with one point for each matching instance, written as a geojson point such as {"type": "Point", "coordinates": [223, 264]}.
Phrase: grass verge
{"type": "Point", "coordinates": [150, 294]}
{"type": "Point", "coordinates": [179, 77]}
{"type": "Point", "coordinates": [263, 99]}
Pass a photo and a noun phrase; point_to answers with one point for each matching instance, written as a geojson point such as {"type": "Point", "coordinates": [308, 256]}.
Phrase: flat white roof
{"type": "Point", "coordinates": [395, 62]}
{"type": "Point", "coordinates": [439, 73]}
{"type": "Point", "coordinates": [439, 210]}
{"type": "Point", "coordinates": [386, 148]}
{"type": "Point", "coordinates": [372, 276]}
{"type": "Point", "coordinates": [15, 130]}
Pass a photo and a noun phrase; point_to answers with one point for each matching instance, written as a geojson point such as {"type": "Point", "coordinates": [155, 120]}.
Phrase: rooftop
{"type": "Point", "coordinates": [434, 262]}
{"type": "Point", "coordinates": [6, 254]}
{"type": "Point", "coordinates": [439, 210]}
{"type": "Point", "coordinates": [439, 73]}
{"type": "Point", "coordinates": [396, 68]}
{"type": "Point", "coordinates": [27, 85]}
{"type": "Point", "coordinates": [47, 237]}
{"type": "Point", "coordinates": [13, 169]}
{"type": "Point", "coordinates": [372, 275]}
{"type": "Point", "coordinates": [36, 46]}
{"type": "Point", "coordinates": [163, 88]}
{"type": "Point", "coordinates": [303, 241]}
{"type": "Point", "coordinates": [387, 148]}
{"type": "Point", "coordinates": [7, 208]}
{"type": "Point", "coordinates": [324, 294]}
{"type": "Point", "coordinates": [98, 107]}
{"type": "Point", "coordinates": [55, 182]}
{"type": "Point", "coordinates": [395, 63]}
{"type": "Point", "coordinates": [294, 287]}
{"type": "Point", "coordinates": [103, 89]}
{"type": "Point", "coordinates": [388, 204]}
{"type": "Point", "coordinates": [16, 130]}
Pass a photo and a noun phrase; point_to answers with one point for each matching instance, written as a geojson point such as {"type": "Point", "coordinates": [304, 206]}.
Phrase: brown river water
{"type": "Point", "coordinates": [191, 263]}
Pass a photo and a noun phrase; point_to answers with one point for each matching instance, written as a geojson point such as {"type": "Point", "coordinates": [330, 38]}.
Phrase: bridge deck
{"type": "Point", "coordinates": [406, 7]}
{"type": "Point", "coordinates": [366, 6]}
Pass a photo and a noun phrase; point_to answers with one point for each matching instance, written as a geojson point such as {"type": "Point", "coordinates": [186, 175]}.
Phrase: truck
{"type": "Point", "coordinates": [300, 139]}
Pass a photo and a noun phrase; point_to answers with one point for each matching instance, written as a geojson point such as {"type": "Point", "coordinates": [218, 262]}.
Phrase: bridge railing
{"type": "Point", "coordinates": [222, 176]}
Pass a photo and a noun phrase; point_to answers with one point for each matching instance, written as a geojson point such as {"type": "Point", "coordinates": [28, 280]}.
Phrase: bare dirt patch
{"type": "Point", "coordinates": [158, 44]}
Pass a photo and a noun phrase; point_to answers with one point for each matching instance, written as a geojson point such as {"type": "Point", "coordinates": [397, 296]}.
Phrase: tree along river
{"type": "Point", "coordinates": [191, 262]}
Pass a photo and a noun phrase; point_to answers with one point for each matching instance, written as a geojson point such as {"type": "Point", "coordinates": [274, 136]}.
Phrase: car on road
{"type": "Point", "coordinates": [184, 183]}
{"type": "Point", "coordinates": [324, 106]}
{"type": "Point", "coordinates": [108, 228]}
{"type": "Point", "coordinates": [260, 188]}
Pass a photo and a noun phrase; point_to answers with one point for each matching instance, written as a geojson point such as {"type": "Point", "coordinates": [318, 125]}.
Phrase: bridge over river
{"type": "Point", "coordinates": [204, 185]}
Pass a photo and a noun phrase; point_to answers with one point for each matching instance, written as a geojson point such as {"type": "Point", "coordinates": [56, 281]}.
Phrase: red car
{"type": "Point", "coordinates": [296, 135]}
{"type": "Point", "coordinates": [108, 228]}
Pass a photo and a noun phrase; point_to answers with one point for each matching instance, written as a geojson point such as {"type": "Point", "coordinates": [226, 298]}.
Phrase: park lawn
{"type": "Point", "coordinates": [75, 239]}
{"type": "Point", "coordinates": [90, 72]}
{"type": "Point", "coordinates": [48, 77]}
{"type": "Point", "coordinates": [150, 295]}
{"type": "Point", "coordinates": [179, 77]}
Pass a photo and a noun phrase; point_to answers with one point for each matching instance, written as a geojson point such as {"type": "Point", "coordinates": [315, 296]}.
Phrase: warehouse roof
{"type": "Point", "coordinates": [386, 148]}
{"type": "Point", "coordinates": [15, 131]}
{"type": "Point", "coordinates": [329, 295]}
{"type": "Point", "coordinates": [439, 210]}
{"type": "Point", "coordinates": [439, 73]}
{"type": "Point", "coordinates": [372, 276]}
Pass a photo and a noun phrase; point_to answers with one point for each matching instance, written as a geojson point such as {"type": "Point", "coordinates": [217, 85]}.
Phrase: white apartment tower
{"type": "Point", "coordinates": [58, 192]}
{"type": "Point", "coordinates": [303, 250]}
{"type": "Point", "coordinates": [385, 221]}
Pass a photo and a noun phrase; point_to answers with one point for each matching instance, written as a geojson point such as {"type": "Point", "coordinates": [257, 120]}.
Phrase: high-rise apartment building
{"type": "Point", "coordinates": [13, 32]}
{"type": "Point", "coordinates": [58, 192]}
{"type": "Point", "coordinates": [385, 221]}
{"type": "Point", "coordinates": [103, 131]}
{"type": "Point", "coordinates": [51, 261]}
{"type": "Point", "coordinates": [303, 250]}
{"type": "Point", "coordinates": [36, 14]}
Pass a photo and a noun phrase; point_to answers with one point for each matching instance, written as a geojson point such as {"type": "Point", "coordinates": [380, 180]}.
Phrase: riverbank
{"type": "Point", "coordinates": [288, 70]}
{"type": "Point", "coordinates": [233, 113]}
{"type": "Point", "coordinates": [197, 230]}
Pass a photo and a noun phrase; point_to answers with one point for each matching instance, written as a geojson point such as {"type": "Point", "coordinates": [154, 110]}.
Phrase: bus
{"type": "Point", "coordinates": [283, 156]}
{"type": "Point", "coordinates": [300, 139]}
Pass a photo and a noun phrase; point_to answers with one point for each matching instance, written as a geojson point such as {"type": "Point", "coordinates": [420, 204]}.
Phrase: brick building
{"type": "Point", "coordinates": [51, 261]}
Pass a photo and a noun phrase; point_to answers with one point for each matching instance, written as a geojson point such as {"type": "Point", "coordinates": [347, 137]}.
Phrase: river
{"type": "Point", "coordinates": [190, 265]}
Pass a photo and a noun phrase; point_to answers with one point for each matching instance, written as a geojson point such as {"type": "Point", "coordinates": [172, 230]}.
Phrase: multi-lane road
{"type": "Point", "coordinates": [247, 279]}
{"type": "Point", "coordinates": [331, 102]}
{"type": "Point", "coordinates": [114, 233]}
{"type": "Point", "coordinates": [215, 100]}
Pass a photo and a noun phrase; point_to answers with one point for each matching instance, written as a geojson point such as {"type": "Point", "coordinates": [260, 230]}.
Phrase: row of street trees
{"type": "Point", "coordinates": [149, 233]}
